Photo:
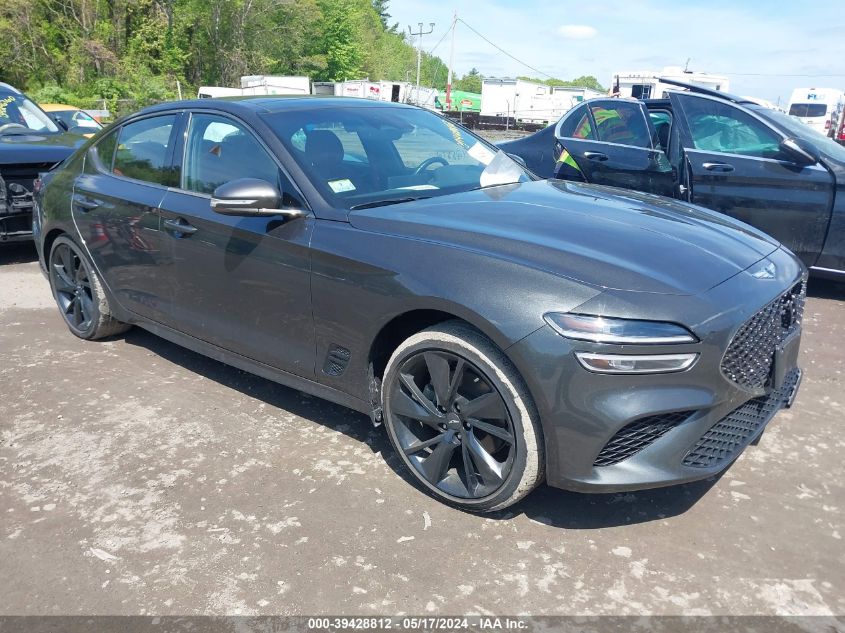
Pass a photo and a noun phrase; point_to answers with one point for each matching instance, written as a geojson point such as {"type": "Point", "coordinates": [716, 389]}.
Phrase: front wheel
{"type": "Point", "coordinates": [460, 417]}
{"type": "Point", "coordinates": [79, 294]}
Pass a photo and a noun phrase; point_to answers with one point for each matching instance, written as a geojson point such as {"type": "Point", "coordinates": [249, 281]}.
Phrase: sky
{"type": "Point", "coordinates": [766, 48]}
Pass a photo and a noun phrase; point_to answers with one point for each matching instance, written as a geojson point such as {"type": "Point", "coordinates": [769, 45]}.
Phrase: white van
{"type": "Point", "coordinates": [819, 108]}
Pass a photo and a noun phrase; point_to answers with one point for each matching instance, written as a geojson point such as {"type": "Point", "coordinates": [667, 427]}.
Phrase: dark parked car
{"type": "Point", "coordinates": [506, 330]}
{"type": "Point", "coordinates": [725, 153]}
{"type": "Point", "coordinates": [30, 143]}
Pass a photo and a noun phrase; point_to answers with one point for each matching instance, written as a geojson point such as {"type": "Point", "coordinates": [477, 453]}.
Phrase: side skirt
{"type": "Point", "coordinates": [254, 367]}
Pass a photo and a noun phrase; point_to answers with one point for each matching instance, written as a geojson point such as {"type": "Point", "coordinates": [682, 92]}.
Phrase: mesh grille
{"type": "Point", "coordinates": [724, 440]}
{"type": "Point", "coordinates": [748, 359]}
{"type": "Point", "coordinates": [634, 437]}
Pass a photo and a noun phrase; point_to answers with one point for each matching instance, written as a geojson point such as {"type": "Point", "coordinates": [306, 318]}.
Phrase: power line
{"type": "Point", "coordinates": [431, 52]}
{"type": "Point", "coordinates": [503, 51]}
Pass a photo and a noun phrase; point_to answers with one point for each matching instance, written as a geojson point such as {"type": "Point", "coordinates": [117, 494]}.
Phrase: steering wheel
{"type": "Point", "coordinates": [6, 126]}
{"type": "Point", "coordinates": [425, 164]}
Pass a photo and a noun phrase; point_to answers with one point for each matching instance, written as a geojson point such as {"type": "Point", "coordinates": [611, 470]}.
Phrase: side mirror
{"type": "Point", "coordinates": [250, 197]}
{"type": "Point", "coordinates": [801, 151]}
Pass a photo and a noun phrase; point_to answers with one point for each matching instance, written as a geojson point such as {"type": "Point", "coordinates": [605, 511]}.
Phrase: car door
{"type": "Point", "coordinates": [613, 142]}
{"type": "Point", "coordinates": [115, 204]}
{"type": "Point", "coordinates": [241, 283]}
{"type": "Point", "coordinates": [736, 167]}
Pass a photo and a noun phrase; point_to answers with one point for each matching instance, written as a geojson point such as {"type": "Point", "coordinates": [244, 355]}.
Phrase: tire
{"type": "Point", "coordinates": [79, 294]}
{"type": "Point", "coordinates": [460, 418]}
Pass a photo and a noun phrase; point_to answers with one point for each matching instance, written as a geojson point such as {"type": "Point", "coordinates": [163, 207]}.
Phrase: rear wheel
{"type": "Point", "coordinates": [79, 293]}
{"type": "Point", "coordinates": [460, 418]}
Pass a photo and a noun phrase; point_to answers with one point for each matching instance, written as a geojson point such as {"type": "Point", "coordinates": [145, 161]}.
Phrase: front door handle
{"type": "Point", "coordinates": [596, 156]}
{"type": "Point", "coordinates": [180, 226]}
{"type": "Point", "coordinates": [723, 168]}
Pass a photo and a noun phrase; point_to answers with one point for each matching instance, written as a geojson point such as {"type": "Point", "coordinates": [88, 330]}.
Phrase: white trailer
{"type": "Point", "coordinates": [275, 85]}
{"type": "Point", "coordinates": [395, 91]}
{"type": "Point", "coordinates": [259, 85]}
{"type": "Point", "coordinates": [211, 92]}
{"type": "Point", "coordinates": [820, 108]}
{"type": "Point", "coordinates": [645, 84]}
{"type": "Point", "coordinates": [518, 99]}
{"type": "Point", "coordinates": [564, 98]}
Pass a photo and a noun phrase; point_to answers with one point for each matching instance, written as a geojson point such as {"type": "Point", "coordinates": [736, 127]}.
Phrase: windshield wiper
{"type": "Point", "coordinates": [388, 201]}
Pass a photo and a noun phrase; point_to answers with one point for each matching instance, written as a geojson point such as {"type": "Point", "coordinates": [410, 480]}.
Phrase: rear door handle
{"type": "Point", "coordinates": [180, 226]}
{"type": "Point", "coordinates": [720, 167]}
{"type": "Point", "coordinates": [84, 203]}
{"type": "Point", "coordinates": [596, 156]}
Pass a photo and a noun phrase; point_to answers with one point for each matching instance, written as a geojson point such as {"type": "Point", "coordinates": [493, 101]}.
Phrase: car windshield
{"type": "Point", "coordinates": [361, 156]}
{"type": "Point", "coordinates": [19, 115]}
{"type": "Point", "coordinates": [77, 119]}
{"type": "Point", "coordinates": [795, 127]}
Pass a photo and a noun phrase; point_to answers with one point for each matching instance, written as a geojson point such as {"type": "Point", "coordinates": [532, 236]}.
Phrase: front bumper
{"type": "Point", "coordinates": [609, 433]}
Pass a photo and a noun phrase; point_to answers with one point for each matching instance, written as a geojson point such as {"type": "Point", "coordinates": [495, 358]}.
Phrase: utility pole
{"type": "Point", "coordinates": [420, 33]}
{"type": "Point", "coordinates": [451, 62]}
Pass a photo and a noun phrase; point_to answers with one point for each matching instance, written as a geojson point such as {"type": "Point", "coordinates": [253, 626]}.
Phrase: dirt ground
{"type": "Point", "coordinates": [139, 478]}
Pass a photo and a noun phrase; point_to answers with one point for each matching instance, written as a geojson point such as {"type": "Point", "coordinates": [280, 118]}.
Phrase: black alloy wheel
{"type": "Point", "coordinates": [79, 294]}
{"type": "Point", "coordinates": [452, 424]}
{"type": "Point", "coordinates": [71, 281]}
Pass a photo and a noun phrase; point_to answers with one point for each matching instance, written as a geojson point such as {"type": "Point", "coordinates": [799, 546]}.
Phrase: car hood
{"type": "Point", "coordinates": [16, 149]}
{"type": "Point", "coordinates": [605, 237]}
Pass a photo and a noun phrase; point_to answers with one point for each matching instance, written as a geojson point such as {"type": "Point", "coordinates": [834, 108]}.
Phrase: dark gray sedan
{"type": "Point", "coordinates": [505, 330]}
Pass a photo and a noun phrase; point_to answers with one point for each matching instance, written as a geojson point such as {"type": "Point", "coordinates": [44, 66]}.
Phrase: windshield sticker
{"type": "Point", "coordinates": [340, 186]}
{"type": "Point", "coordinates": [480, 153]}
{"type": "Point", "coordinates": [4, 103]}
{"type": "Point", "coordinates": [456, 134]}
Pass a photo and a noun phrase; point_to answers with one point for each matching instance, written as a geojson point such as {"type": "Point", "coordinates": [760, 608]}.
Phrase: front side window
{"type": "Point", "coordinates": [219, 150]}
{"type": "Point", "coordinates": [364, 156]}
{"type": "Point", "coordinates": [720, 127]}
{"type": "Point", "coordinates": [621, 123]}
{"type": "Point", "coordinates": [143, 151]}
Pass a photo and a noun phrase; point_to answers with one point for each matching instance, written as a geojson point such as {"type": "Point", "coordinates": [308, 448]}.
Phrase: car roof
{"type": "Point", "coordinates": [270, 104]}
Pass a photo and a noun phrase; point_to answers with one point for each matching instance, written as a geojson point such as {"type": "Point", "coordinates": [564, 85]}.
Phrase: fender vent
{"type": "Point", "coordinates": [336, 361]}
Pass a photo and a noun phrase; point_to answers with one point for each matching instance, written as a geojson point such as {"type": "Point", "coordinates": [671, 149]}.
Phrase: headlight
{"type": "Point", "coordinates": [598, 329]}
{"type": "Point", "coordinates": [628, 364]}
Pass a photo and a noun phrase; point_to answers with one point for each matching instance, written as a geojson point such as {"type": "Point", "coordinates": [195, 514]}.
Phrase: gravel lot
{"type": "Point", "coordinates": [140, 478]}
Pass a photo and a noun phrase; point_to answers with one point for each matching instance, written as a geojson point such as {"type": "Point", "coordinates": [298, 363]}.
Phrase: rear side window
{"type": "Point", "coordinates": [808, 109]}
{"type": "Point", "coordinates": [719, 127]}
{"type": "Point", "coordinates": [622, 123]}
{"type": "Point", "coordinates": [577, 126]}
{"type": "Point", "coordinates": [143, 151]}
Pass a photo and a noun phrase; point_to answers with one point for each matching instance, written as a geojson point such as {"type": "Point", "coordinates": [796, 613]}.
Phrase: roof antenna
{"type": "Point", "coordinates": [686, 66]}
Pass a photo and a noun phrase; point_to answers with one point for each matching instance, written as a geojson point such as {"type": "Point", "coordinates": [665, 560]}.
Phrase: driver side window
{"type": "Point", "coordinates": [219, 150]}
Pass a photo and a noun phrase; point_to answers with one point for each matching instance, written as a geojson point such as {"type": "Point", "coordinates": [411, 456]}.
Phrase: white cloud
{"type": "Point", "coordinates": [577, 31]}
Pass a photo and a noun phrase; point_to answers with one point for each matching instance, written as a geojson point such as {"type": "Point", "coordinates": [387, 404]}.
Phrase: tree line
{"type": "Point", "coordinates": [130, 53]}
